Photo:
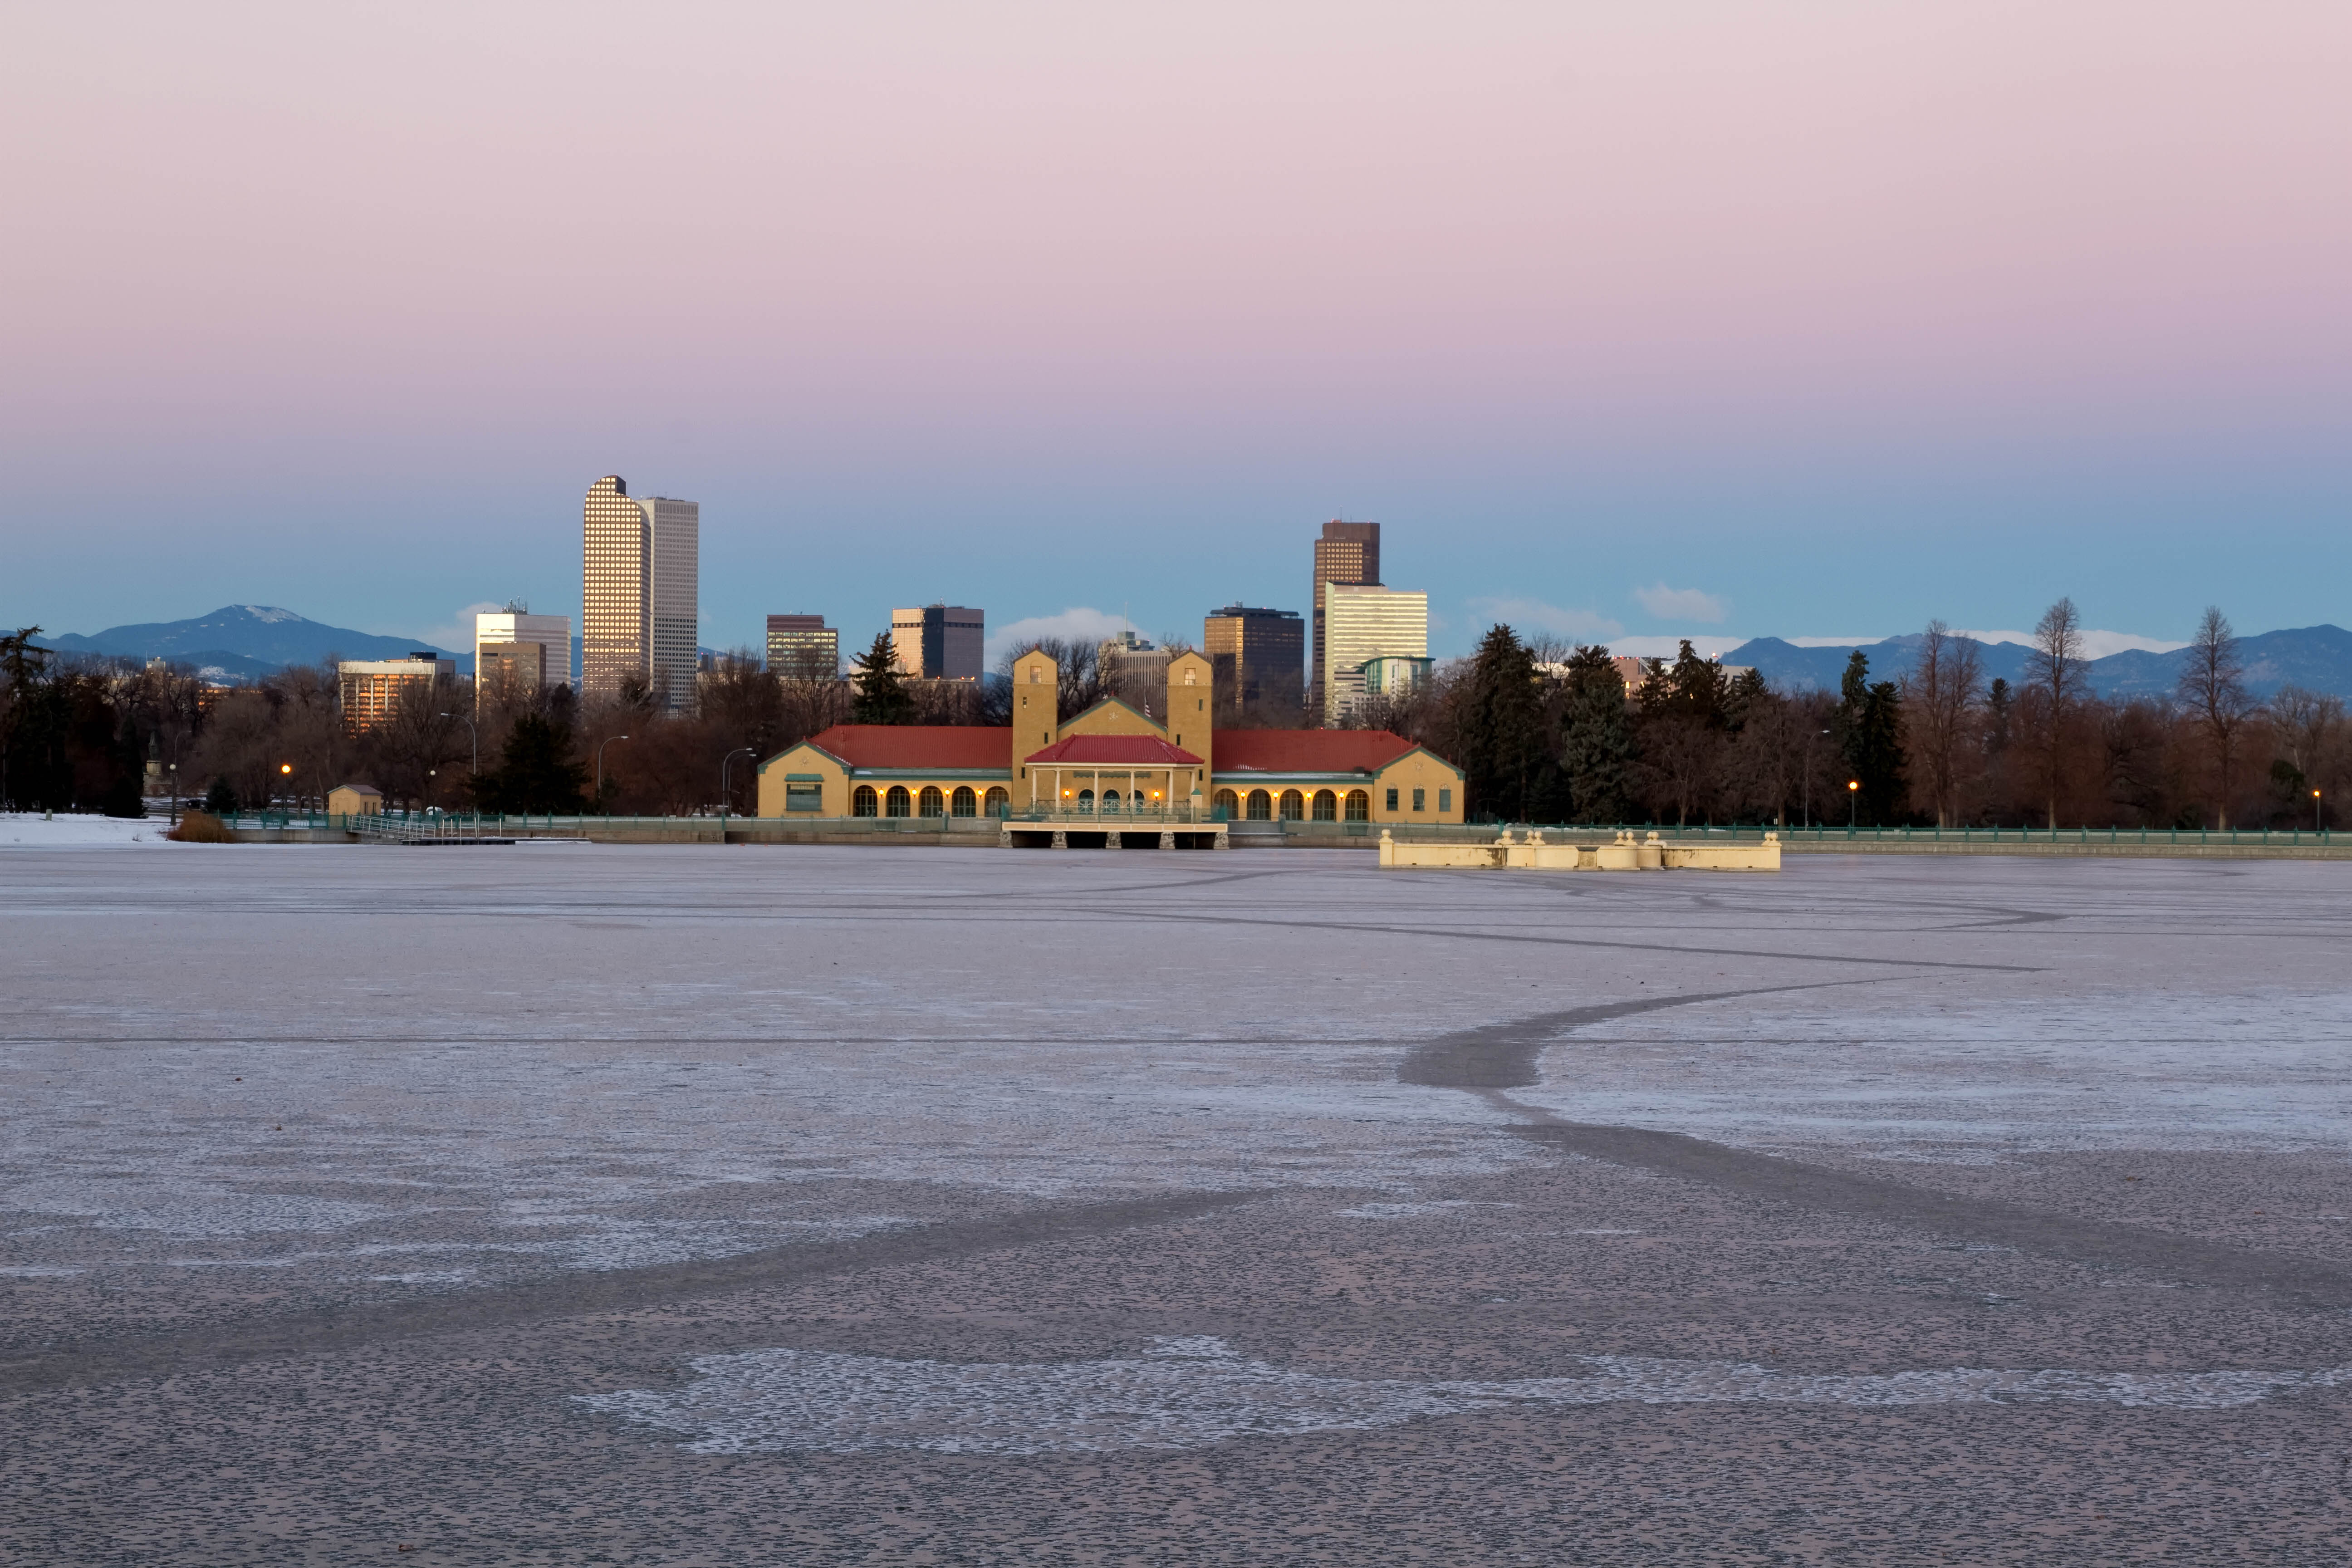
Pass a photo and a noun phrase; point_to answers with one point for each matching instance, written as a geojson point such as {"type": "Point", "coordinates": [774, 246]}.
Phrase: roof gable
{"type": "Point", "coordinates": [1114, 750]}
{"type": "Point", "coordinates": [1113, 716]}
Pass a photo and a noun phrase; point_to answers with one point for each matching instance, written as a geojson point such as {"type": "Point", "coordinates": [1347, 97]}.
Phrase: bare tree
{"type": "Point", "coordinates": [2057, 668]}
{"type": "Point", "coordinates": [1940, 693]}
{"type": "Point", "coordinates": [2213, 688]}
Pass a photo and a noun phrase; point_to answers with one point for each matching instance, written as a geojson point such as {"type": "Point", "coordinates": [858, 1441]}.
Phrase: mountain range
{"type": "Point", "coordinates": [2317, 659]}
{"type": "Point", "coordinates": [245, 642]}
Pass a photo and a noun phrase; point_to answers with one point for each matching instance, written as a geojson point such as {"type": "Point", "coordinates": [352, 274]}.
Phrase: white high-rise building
{"type": "Point", "coordinates": [516, 628]}
{"type": "Point", "coordinates": [1364, 622]}
{"type": "Point", "coordinates": [642, 607]}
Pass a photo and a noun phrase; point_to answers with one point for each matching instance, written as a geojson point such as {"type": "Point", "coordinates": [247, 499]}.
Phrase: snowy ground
{"type": "Point", "coordinates": [749, 1100]}
{"type": "Point", "coordinates": [37, 830]}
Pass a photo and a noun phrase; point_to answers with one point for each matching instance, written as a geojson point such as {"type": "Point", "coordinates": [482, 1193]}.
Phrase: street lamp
{"type": "Point", "coordinates": [724, 764]}
{"type": "Point", "coordinates": [600, 767]}
{"type": "Point", "coordinates": [2315, 811]}
{"type": "Point", "coordinates": [1853, 812]}
{"type": "Point", "coordinates": [286, 772]}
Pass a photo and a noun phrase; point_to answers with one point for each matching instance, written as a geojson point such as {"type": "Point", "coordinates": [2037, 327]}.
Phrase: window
{"type": "Point", "coordinates": [1110, 800]}
{"type": "Point", "coordinates": [1392, 805]}
{"type": "Point", "coordinates": [966, 803]}
{"type": "Point", "coordinates": [1326, 806]}
{"type": "Point", "coordinates": [1190, 676]}
{"type": "Point", "coordinates": [864, 803]}
{"type": "Point", "coordinates": [1036, 675]}
{"type": "Point", "coordinates": [1445, 799]}
{"type": "Point", "coordinates": [1228, 805]}
{"type": "Point", "coordinates": [1260, 807]}
{"type": "Point", "coordinates": [933, 803]}
{"type": "Point", "coordinates": [999, 802]}
{"type": "Point", "coordinates": [1360, 806]}
{"type": "Point", "coordinates": [898, 802]}
{"type": "Point", "coordinates": [1293, 805]}
{"type": "Point", "coordinates": [1419, 798]}
{"type": "Point", "coordinates": [1085, 800]}
{"type": "Point", "coordinates": [804, 794]}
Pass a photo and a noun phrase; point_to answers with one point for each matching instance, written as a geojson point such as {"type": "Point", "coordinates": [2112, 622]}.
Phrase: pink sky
{"type": "Point", "coordinates": [298, 253]}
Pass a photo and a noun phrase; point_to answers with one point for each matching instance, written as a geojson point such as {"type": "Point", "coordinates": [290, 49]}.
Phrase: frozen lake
{"type": "Point", "coordinates": [760, 1125]}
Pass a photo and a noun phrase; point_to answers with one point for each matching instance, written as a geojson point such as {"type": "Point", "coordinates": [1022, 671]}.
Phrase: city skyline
{"type": "Point", "coordinates": [1643, 325]}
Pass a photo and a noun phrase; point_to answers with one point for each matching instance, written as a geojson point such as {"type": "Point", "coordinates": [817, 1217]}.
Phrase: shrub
{"type": "Point", "coordinates": [201, 827]}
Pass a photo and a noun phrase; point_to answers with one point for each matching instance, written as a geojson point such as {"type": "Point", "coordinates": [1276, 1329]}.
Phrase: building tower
{"type": "Point", "coordinates": [803, 648]}
{"type": "Point", "coordinates": [938, 642]}
{"type": "Point", "coordinates": [1258, 655]}
{"type": "Point", "coordinates": [642, 591]}
{"type": "Point", "coordinates": [1368, 625]}
{"type": "Point", "coordinates": [1348, 552]}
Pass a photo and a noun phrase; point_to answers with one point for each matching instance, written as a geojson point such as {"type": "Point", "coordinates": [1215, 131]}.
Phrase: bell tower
{"type": "Point", "coordinates": [1037, 715]}
{"type": "Point", "coordinates": [1192, 710]}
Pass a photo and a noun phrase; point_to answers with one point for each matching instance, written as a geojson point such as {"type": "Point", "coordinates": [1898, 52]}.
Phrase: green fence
{"type": "Point", "coordinates": [1485, 833]}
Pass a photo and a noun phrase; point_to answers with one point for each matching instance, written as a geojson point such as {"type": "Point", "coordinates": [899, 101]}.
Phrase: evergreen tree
{"type": "Point", "coordinates": [1596, 743]}
{"type": "Point", "coordinates": [1870, 738]}
{"type": "Point", "coordinates": [882, 695]}
{"type": "Point", "coordinates": [221, 799]}
{"type": "Point", "coordinates": [536, 771]}
{"type": "Point", "coordinates": [1500, 730]}
{"type": "Point", "coordinates": [126, 784]}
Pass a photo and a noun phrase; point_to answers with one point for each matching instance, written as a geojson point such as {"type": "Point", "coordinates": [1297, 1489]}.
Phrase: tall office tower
{"type": "Point", "coordinates": [372, 689]}
{"type": "Point", "coordinates": [1363, 623]}
{"type": "Point", "coordinates": [515, 644]}
{"type": "Point", "coordinates": [1348, 552]}
{"type": "Point", "coordinates": [1256, 654]}
{"type": "Point", "coordinates": [643, 591]}
{"type": "Point", "coordinates": [803, 648]}
{"type": "Point", "coordinates": [938, 642]}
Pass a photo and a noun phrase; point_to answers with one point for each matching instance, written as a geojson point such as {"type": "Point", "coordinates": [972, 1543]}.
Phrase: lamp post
{"type": "Point", "coordinates": [1853, 809]}
{"type": "Point", "coordinates": [600, 768]}
{"type": "Point", "coordinates": [724, 764]}
{"type": "Point", "coordinates": [175, 794]}
{"type": "Point", "coordinates": [285, 772]}
{"type": "Point", "coordinates": [2315, 811]}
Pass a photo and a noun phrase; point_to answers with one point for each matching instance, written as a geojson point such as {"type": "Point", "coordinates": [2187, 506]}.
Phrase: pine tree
{"type": "Point", "coordinates": [536, 771]}
{"type": "Point", "coordinates": [1869, 737]}
{"type": "Point", "coordinates": [1596, 743]}
{"type": "Point", "coordinates": [1500, 731]}
{"type": "Point", "coordinates": [882, 695]}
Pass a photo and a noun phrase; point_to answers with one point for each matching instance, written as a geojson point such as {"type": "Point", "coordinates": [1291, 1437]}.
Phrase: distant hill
{"type": "Point", "coordinates": [2317, 659]}
{"type": "Point", "coordinates": [244, 642]}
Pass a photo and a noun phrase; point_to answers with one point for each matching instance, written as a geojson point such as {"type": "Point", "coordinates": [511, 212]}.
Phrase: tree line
{"type": "Point", "coordinates": [1548, 733]}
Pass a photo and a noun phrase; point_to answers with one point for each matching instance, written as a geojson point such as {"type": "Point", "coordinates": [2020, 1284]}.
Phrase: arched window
{"type": "Point", "coordinates": [1293, 805]}
{"type": "Point", "coordinates": [1360, 806]}
{"type": "Point", "coordinates": [1190, 676]}
{"type": "Point", "coordinates": [1261, 805]}
{"type": "Point", "coordinates": [1085, 800]}
{"type": "Point", "coordinates": [965, 803]}
{"type": "Point", "coordinates": [999, 802]}
{"type": "Point", "coordinates": [931, 803]}
{"type": "Point", "coordinates": [897, 802]}
{"type": "Point", "coordinates": [864, 803]}
{"type": "Point", "coordinates": [1110, 800]}
{"type": "Point", "coordinates": [1228, 805]}
{"type": "Point", "coordinates": [1326, 806]}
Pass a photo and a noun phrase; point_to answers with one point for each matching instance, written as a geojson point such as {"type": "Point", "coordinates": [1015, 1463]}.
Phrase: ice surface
{"type": "Point", "coordinates": [307, 1058]}
{"type": "Point", "coordinates": [1192, 1392]}
{"type": "Point", "coordinates": [34, 830]}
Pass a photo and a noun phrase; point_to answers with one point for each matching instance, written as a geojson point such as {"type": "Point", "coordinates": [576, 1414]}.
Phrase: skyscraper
{"type": "Point", "coordinates": [1364, 623]}
{"type": "Point", "coordinates": [643, 591]}
{"type": "Point", "coordinates": [803, 648]}
{"type": "Point", "coordinates": [1258, 655]}
{"type": "Point", "coordinates": [938, 642]}
{"type": "Point", "coordinates": [1348, 552]}
{"type": "Point", "coordinates": [533, 649]}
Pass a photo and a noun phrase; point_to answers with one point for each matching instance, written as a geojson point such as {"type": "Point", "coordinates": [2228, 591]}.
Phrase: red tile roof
{"type": "Point", "coordinates": [1116, 752]}
{"type": "Point", "coordinates": [1306, 751]}
{"type": "Point", "coordinates": [918, 745]}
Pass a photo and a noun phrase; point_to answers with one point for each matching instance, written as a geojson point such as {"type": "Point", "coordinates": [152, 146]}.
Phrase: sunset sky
{"type": "Point", "coordinates": [1625, 320]}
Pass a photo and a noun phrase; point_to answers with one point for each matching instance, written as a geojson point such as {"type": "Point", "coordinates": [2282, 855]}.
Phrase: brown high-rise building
{"type": "Point", "coordinates": [1348, 552]}
{"type": "Point", "coordinates": [1256, 655]}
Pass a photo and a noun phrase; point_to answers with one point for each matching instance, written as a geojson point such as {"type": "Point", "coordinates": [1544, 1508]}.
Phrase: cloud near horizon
{"type": "Point", "coordinates": [1534, 613]}
{"type": "Point", "coordinates": [1682, 603]}
{"type": "Point", "coordinates": [1080, 623]}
